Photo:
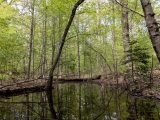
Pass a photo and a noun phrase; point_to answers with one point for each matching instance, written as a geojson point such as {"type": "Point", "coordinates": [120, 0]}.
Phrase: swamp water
{"type": "Point", "coordinates": [75, 101]}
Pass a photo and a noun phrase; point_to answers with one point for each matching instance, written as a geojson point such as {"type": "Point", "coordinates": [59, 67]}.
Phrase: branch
{"type": "Point", "coordinates": [85, 34]}
{"type": "Point", "coordinates": [129, 9]}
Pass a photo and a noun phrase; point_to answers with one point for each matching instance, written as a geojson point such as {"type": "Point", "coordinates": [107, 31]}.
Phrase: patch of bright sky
{"type": "Point", "coordinates": [21, 6]}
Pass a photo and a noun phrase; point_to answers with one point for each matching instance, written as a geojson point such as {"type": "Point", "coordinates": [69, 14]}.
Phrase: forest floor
{"type": "Point", "coordinates": [143, 88]}
{"type": "Point", "coordinates": [12, 87]}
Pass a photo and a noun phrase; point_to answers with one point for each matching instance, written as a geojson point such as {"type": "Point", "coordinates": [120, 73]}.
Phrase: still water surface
{"type": "Point", "coordinates": [80, 102]}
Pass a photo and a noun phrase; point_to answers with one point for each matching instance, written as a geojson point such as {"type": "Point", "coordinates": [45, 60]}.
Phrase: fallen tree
{"type": "Point", "coordinates": [19, 91]}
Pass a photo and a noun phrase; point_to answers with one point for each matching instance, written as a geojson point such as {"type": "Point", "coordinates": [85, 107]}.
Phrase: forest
{"type": "Point", "coordinates": [79, 59]}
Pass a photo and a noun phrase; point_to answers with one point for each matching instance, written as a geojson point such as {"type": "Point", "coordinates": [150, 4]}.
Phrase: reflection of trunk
{"type": "Point", "coordinates": [27, 108]}
{"type": "Point", "coordinates": [80, 85]}
{"type": "Point", "coordinates": [50, 102]}
{"type": "Point", "coordinates": [132, 109]}
{"type": "Point", "coordinates": [58, 95]}
{"type": "Point", "coordinates": [117, 102]}
{"type": "Point", "coordinates": [42, 106]}
{"type": "Point", "coordinates": [67, 100]}
{"type": "Point", "coordinates": [152, 26]}
{"type": "Point", "coordinates": [125, 29]}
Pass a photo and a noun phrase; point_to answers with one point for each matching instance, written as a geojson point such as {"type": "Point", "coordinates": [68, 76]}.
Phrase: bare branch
{"type": "Point", "coordinates": [129, 9]}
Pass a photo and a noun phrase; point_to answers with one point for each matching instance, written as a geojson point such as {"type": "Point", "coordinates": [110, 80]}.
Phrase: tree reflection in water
{"type": "Point", "coordinates": [79, 102]}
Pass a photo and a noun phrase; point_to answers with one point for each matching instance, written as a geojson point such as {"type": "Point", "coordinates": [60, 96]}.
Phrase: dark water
{"type": "Point", "coordinates": [80, 102]}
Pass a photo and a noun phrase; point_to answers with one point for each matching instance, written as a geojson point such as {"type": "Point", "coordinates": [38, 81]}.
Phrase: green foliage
{"type": "Point", "coordinates": [4, 77]}
{"type": "Point", "coordinates": [139, 56]}
{"type": "Point", "coordinates": [96, 22]}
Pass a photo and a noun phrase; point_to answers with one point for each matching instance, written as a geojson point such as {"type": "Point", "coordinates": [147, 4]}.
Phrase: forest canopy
{"type": "Point", "coordinates": [30, 34]}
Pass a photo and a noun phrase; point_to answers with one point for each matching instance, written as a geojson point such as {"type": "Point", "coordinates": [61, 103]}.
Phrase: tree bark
{"type": "Point", "coordinates": [125, 30]}
{"type": "Point", "coordinates": [152, 26]}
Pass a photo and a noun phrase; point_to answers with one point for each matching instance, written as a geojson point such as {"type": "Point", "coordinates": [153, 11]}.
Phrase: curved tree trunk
{"type": "Point", "coordinates": [152, 26]}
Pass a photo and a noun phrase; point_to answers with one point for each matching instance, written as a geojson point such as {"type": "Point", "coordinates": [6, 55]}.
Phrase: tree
{"type": "Point", "coordinates": [31, 39]}
{"type": "Point", "coordinates": [152, 26]}
{"type": "Point", "coordinates": [49, 85]}
{"type": "Point", "coordinates": [125, 29]}
{"type": "Point", "coordinates": [50, 81]}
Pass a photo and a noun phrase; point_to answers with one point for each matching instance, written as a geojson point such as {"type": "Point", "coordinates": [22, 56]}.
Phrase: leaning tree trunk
{"type": "Point", "coordinates": [152, 26]}
{"type": "Point", "coordinates": [50, 81]}
{"type": "Point", "coordinates": [49, 84]}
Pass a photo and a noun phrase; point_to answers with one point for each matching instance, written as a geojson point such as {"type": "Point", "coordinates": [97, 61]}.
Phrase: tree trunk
{"type": "Point", "coordinates": [114, 51]}
{"type": "Point", "coordinates": [49, 84]}
{"type": "Point", "coordinates": [78, 49]}
{"type": "Point", "coordinates": [152, 26]}
{"type": "Point", "coordinates": [50, 81]}
{"type": "Point", "coordinates": [125, 29]}
{"type": "Point", "coordinates": [53, 38]}
{"type": "Point", "coordinates": [31, 40]}
{"type": "Point", "coordinates": [43, 68]}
